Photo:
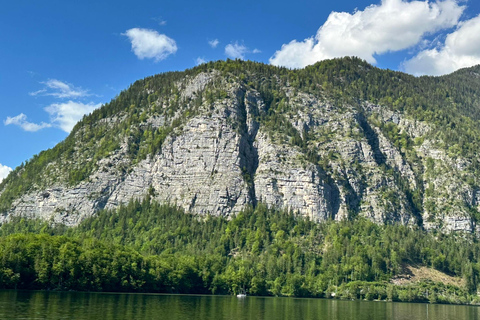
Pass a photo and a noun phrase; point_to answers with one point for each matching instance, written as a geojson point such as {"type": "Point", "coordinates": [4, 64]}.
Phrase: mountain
{"type": "Point", "coordinates": [335, 140]}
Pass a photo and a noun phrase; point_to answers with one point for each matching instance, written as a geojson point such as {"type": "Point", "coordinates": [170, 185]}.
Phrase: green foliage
{"type": "Point", "coordinates": [145, 246]}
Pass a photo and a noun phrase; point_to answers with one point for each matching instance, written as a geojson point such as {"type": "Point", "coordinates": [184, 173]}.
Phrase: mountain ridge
{"type": "Point", "coordinates": [332, 141]}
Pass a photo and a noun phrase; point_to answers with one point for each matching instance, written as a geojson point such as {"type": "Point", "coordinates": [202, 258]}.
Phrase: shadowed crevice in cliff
{"type": "Point", "coordinates": [372, 139]}
{"type": "Point", "coordinates": [352, 198]}
{"type": "Point", "coordinates": [415, 208]}
{"type": "Point", "coordinates": [247, 150]}
{"type": "Point", "coordinates": [381, 160]}
{"type": "Point", "coordinates": [102, 200]}
{"type": "Point", "coordinates": [333, 192]}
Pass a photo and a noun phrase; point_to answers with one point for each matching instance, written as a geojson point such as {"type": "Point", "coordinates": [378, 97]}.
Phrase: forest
{"type": "Point", "coordinates": [145, 246]}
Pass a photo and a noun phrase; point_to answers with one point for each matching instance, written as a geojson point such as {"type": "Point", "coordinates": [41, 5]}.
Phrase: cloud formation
{"type": "Point", "coordinates": [392, 25]}
{"type": "Point", "coordinates": [60, 89]}
{"type": "Point", "coordinates": [147, 43]}
{"type": "Point", "coordinates": [66, 115]}
{"type": "Point", "coordinates": [62, 115]}
{"type": "Point", "coordinates": [213, 43]}
{"type": "Point", "coordinates": [461, 49]}
{"type": "Point", "coordinates": [4, 171]}
{"type": "Point", "coordinates": [21, 121]}
{"type": "Point", "coordinates": [235, 51]}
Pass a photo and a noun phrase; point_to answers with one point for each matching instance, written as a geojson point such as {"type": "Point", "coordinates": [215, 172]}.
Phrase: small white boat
{"type": "Point", "coordinates": [241, 295]}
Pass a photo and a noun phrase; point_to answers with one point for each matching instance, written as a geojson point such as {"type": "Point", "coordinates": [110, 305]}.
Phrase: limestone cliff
{"type": "Point", "coordinates": [215, 141]}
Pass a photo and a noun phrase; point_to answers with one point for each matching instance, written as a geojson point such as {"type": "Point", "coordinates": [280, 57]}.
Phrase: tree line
{"type": "Point", "coordinates": [148, 247]}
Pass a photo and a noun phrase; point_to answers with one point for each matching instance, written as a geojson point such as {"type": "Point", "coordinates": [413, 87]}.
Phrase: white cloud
{"type": "Point", "coordinates": [150, 44]}
{"type": "Point", "coordinates": [21, 121]}
{"type": "Point", "coordinates": [461, 49]}
{"type": "Point", "coordinates": [4, 171]}
{"type": "Point", "coordinates": [256, 51]}
{"type": "Point", "coordinates": [62, 115]}
{"type": "Point", "coordinates": [236, 51]}
{"type": "Point", "coordinates": [213, 43]}
{"type": "Point", "coordinates": [392, 25]}
{"type": "Point", "coordinates": [200, 60]}
{"type": "Point", "coordinates": [66, 115]}
{"type": "Point", "coordinates": [60, 89]}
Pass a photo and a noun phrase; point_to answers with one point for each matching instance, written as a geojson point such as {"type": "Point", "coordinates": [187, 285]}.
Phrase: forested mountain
{"type": "Point", "coordinates": [337, 140]}
{"type": "Point", "coordinates": [339, 179]}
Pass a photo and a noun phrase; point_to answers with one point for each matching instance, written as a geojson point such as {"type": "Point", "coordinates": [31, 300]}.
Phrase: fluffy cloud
{"type": "Point", "coordinates": [4, 171]}
{"type": "Point", "coordinates": [66, 115]}
{"type": "Point", "coordinates": [62, 115]}
{"type": "Point", "coordinates": [235, 51]}
{"type": "Point", "coordinates": [60, 89]}
{"type": "Point", "coordinates": [150, 44]}
{"type": "Point", "coordinates": [390, 26]}
{"type": "Point", "coordinates": [21, 121]}
{"type": "Point", "coordinates": [461, 49]}
{"type": "Point", "coordinates": [213, 43]}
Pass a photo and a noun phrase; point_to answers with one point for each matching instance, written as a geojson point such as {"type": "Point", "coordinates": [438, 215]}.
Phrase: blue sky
{"type": "Point", "coordinates": [62, 59]}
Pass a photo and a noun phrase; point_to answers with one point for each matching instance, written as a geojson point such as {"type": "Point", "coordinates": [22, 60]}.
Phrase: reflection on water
{"type": "Point", "coordinates": [74, 305]}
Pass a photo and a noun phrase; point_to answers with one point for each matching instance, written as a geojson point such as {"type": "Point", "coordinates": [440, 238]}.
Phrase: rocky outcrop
{"type": "Point", "coordinates": [282, 180]}
{"type": "Point", "coordinates": [222, 154]}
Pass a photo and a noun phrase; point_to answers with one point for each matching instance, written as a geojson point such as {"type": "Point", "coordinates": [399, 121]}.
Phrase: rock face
{"type": "Point", "coordinates": [224, 150]}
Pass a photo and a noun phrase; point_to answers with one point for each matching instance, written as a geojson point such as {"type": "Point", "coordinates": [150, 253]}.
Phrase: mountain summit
{"type": "Point", "coordinates": [335, 140]}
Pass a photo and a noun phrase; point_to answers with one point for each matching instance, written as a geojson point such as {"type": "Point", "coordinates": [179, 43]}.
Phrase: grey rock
{"type": "Point", "coordinates": [224, 157]}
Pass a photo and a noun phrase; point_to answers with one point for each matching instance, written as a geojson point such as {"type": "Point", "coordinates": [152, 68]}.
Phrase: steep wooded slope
{"type": "Point", "coordinates": [335, 140]}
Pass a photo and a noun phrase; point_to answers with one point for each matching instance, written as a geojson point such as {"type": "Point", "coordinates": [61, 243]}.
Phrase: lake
{"type": "Point", "coordinates": [105, 306]}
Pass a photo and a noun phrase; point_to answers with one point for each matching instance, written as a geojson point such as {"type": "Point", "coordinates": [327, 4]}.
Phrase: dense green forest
{"type": "Point", "coordinates": [149, 247]}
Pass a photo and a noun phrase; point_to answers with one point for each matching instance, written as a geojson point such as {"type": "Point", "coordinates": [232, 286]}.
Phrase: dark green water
{"type": "Point", "coordinates": [56, 305]}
